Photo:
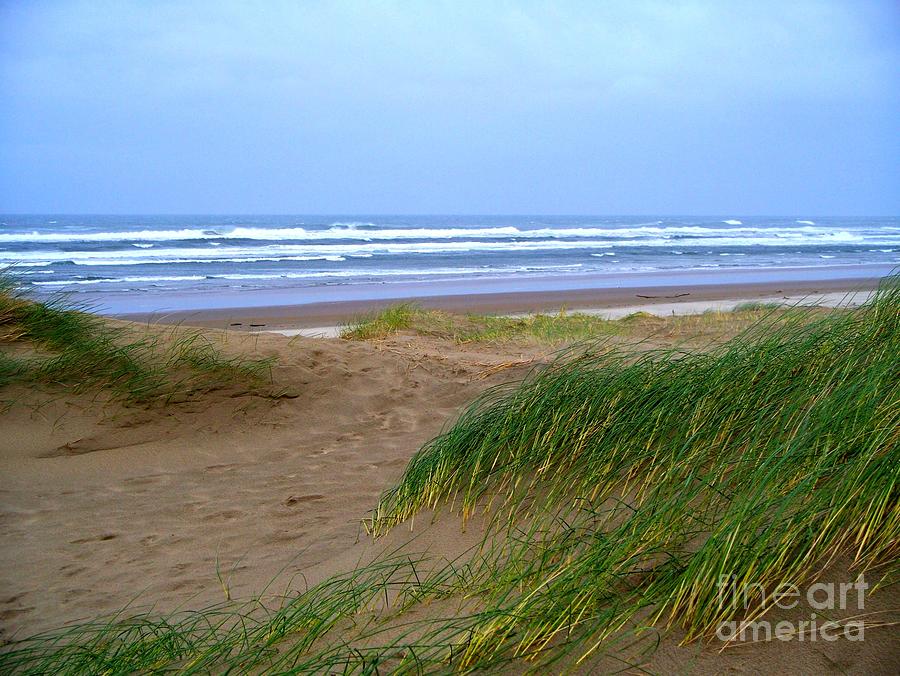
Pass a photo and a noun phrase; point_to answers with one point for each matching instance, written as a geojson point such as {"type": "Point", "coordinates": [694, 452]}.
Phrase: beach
{"type": "Point", "coordinates": [163, 264]}
{"type": "Point", "coordinates": [630, 294]}
{"type": "Point", "coordinates": [409, 338]}
{"type": "Point", "coordinates": [236, 491]}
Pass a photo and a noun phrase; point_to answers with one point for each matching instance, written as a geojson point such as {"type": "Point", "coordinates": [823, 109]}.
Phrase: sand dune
{"type": "Point", "coordinates": [103, 505]}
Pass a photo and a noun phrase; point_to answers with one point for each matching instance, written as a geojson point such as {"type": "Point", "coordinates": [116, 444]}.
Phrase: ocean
{"type": "Point", "coordinates": [148, 263]}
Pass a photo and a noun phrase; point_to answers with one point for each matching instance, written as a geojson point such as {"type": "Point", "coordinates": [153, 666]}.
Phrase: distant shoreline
{"type": "Point", "coordinates": [631, 291]}
{"type": "Point", "coordinates": [164, 264]}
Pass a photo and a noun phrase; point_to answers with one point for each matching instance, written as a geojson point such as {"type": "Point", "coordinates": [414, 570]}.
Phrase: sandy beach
{"type": "Point", "coordinates": [629, 292]}
{"type": "Point", "coordinates": [408, 338]}
{"type": "Point", "coordinates": [106, 506]}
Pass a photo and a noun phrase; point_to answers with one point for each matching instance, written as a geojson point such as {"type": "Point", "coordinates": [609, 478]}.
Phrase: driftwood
{"type": "Point", "coordinates": [677, 295]}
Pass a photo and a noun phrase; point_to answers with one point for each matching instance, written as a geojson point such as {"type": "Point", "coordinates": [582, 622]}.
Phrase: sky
{"type": "Point", "coordinates": [433, 107]}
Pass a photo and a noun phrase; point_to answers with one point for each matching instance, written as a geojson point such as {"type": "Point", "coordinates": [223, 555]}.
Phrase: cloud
{"type": "Point", "coordinates": [658, 48]}
{"type": "Point", "coordinates": [302, 89]}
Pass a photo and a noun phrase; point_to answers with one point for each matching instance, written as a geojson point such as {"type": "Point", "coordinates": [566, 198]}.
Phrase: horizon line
{"type": "Point", "coordinates": [448, 214]}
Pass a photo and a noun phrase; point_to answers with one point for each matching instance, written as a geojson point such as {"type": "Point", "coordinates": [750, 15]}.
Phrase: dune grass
{"type": "Point", "coordinates": [651, 476]}
{"type": "Point", "coordinates": [386, 322]}
{"type": "Point", "coordinates": [755, 306]}
{"type": "Point", "coordinates": [55, 343]}
{"type": "Point", "coordinates": [474, 328]}
{"type": "Point", "coordinates": [550, 328]}
{"type": "Point", "coordinates": [620, 487]}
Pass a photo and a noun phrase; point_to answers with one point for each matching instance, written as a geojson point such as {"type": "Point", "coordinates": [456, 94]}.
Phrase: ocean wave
{"type": "Point", "coordinates": [335, 252]}
{"type": "Point", "coordinates": [448, 271]}
{"type": "Point", "coordinates": [733, 221]}
{"type": "Point", "coordinates": [806, 222]}
{"type": "Point", "coordinates": [130, 280]}
{"type": "Point", "coordinates": [145, 238]}
{"type": "Point", "coordinates": [115, 236]}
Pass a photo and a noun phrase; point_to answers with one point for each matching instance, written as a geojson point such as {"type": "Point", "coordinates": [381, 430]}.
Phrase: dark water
{"type": "Point", "coordinates": [122, 258]}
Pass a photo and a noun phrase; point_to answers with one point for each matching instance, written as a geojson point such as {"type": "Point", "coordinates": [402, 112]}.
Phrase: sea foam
{"type": "Point", "coordinates": [215, 236]}
{"type": "Point", "coordinates": [335, 251]}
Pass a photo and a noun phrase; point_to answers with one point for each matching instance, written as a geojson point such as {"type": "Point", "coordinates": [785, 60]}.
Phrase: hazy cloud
{"type": "Point", "coordinates": [567, 107]}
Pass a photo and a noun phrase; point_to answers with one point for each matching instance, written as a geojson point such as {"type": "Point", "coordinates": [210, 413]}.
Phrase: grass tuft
{"type": "Point", "coordinates": [383, 323]}
{"type": "Point", "coordinates": [473, 328]}
{"type": "Point", "coordinates": [54, 343]}
{"type": "Point", "coordinates": [648, 477]}
{"type": "Point", "coordinates": [755, 306]}
{"type": "Point", "coordinates": [546, 328]}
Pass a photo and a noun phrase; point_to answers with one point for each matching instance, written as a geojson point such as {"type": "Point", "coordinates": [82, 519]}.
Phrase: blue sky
{"type": "Point", "coordinates": [450, 107]}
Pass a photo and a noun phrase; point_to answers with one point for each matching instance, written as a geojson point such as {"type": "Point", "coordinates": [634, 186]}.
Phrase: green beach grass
{"type": "Point", "coordinates": [551, 328]}
{"type": "Point", "coordinates": [55, 343]}
{"type": "Point", "coordinates": [619, 486]}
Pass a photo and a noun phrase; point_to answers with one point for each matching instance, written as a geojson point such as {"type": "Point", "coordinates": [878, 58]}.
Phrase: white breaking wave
{"type": "Point", "coordinates": [649, 230]}
{"type": "Point", "coordinates": [123, 236]}
{"type": "Point", "coordinates": [131, 280]}
{"type": "Point", "coordinates": [336, 231]}
{"type": "Point", "coordinates": [276, 252]}
{"type": "Point", "coordinates": [150, 279]}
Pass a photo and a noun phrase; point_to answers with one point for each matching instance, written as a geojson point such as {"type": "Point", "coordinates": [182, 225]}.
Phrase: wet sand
{"type": "Point", "coordinates": [335, 313]}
